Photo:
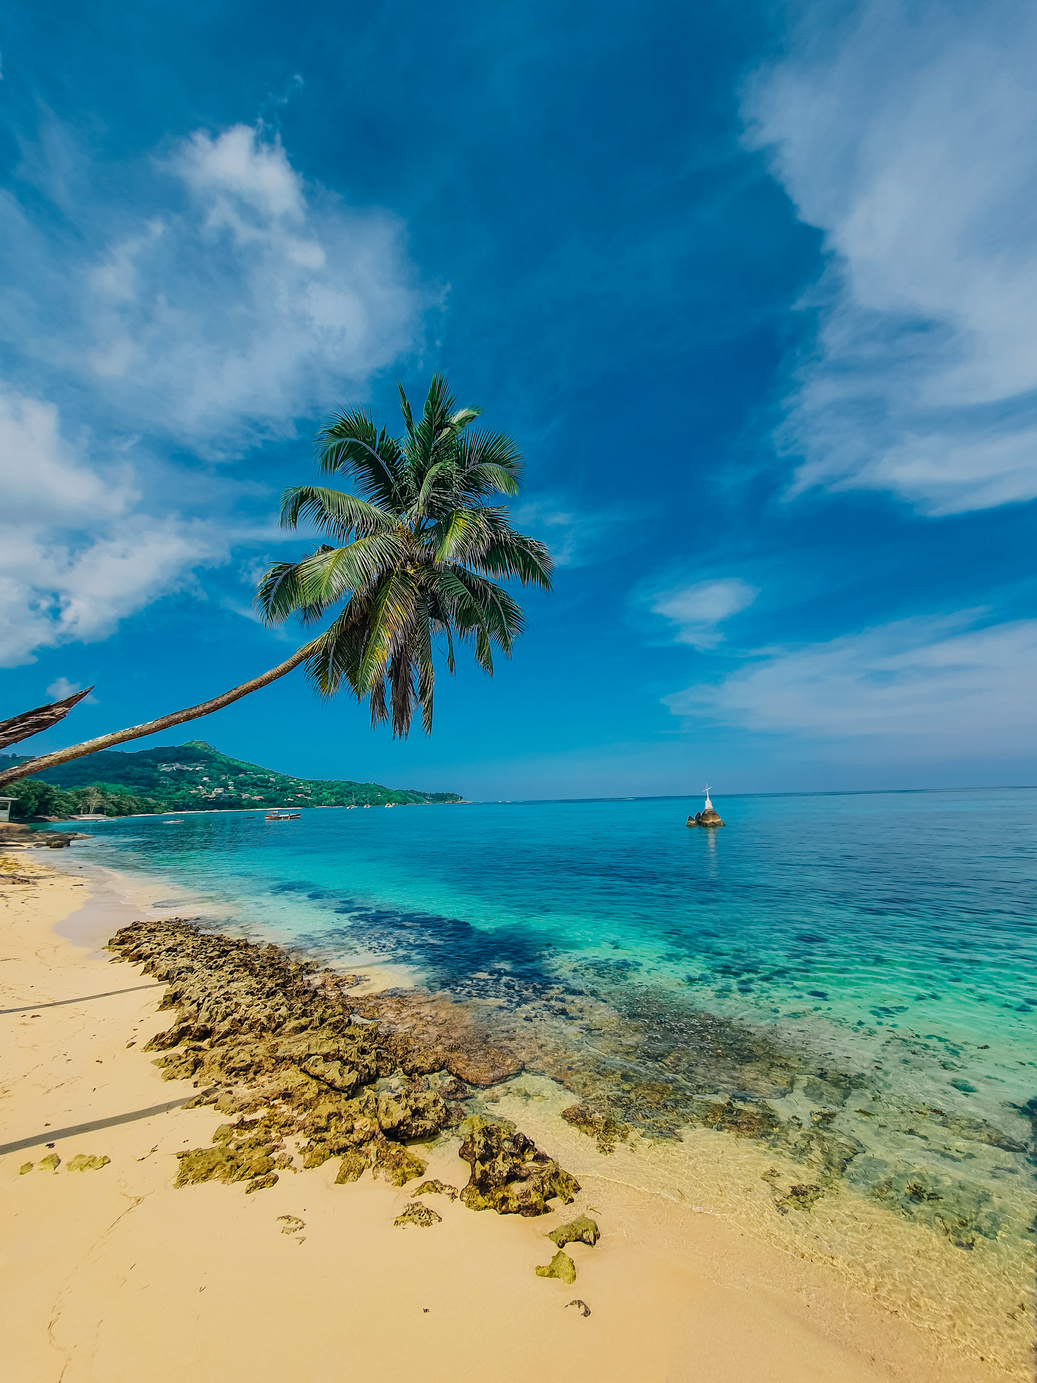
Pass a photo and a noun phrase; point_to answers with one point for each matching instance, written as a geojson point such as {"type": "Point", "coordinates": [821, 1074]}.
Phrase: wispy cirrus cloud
{"type": "Point", "coordinates": [908, 134]}
{"type": "Point", "coordinates": [696, 610]}
{"type": "Point", "coordinates": [928, 683]}
{"type": "Point", "coordinates": [62, 687]}
{"type": "Point", "coordinates": [576, 536]}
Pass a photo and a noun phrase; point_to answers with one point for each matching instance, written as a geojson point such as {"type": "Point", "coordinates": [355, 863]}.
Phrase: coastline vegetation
{"type": "Point", "coordinates": [188, 777]}
{"type": "Point", "coordinates": [35, 800]}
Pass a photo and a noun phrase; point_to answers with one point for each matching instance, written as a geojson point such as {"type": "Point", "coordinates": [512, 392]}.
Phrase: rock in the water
{"type": "Point", "coordinates": [582, 1230]}
{"type": "Point", "coordinates": [481, 1064]}
{"type": "Point", "coordinates": [743, 1120]}
{"type": "Point", "coordinates": [509, 1173]}
{"type": "Point", "coordinates": [706, 818]}
{"type": "Point", "coordinates": [417, 1214]}
{"type": "Point", "coordinates": [82, 1163]}
{"type": "Point", "coordinates": [604, 1130]}
{"type": "Point", "coordinates": [800, 1197]}
{"type": "Point", "coordinates": [560, 1266]}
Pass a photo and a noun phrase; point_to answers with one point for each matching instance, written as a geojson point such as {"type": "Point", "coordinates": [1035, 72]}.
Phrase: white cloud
{"type": "Point", "coordinates": [77, 552]}
{"type": "Point", "coordinates": [696, 610]}
{"type": "Point", "coordinates": [218, 299]}
{"type": "Point", "coordinates": [909, 136]}
{"type": "Point", "coordinates": [935, 684]}
{"type": "Point", "coordinates": [233, 298]}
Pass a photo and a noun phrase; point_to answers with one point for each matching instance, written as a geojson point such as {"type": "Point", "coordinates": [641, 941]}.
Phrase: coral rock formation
{"type": "Point", "coordinates": [509, 1173]}
{"type": "Point", "coordinates": [303, 1069]}
{"type": "Point", "coordinates": [582, 1230]}
{"type": "Point", "coordinates": [417, 1214]}
{"type": "Point", "coordinates": [439, 1188]}
{"type": "Point", "coordinates": [82, 1163]}
{"type": "Point", "coordinates": [560, 1266]}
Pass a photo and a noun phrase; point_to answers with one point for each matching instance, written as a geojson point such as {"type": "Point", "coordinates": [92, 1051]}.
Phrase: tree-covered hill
{"type": "Point", "coordinates": [187, 777]}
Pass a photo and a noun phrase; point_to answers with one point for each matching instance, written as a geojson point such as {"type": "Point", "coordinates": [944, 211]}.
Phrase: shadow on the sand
{"type": "Point", "coordinates": [83, 999]}
{"type": "Point", "coordinates": [51, 1135]}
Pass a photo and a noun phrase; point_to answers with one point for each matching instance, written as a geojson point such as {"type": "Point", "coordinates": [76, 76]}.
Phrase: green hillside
{"type": "Point", "coordinates": [187, 777]}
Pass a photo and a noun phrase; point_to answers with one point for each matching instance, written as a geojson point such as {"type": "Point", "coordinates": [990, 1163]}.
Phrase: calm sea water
{"type": "Point", "coordinates": [860, 920]}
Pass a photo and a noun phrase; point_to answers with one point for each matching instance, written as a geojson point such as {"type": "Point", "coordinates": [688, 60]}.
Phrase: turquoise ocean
{"type": "Point", "coordinates": [860, 967]}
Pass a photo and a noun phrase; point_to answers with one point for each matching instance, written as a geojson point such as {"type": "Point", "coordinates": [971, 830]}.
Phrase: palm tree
{"type": "Point", "coordinates": [412, 564]}
{"type": "Point", "coordinates": [413, 555]}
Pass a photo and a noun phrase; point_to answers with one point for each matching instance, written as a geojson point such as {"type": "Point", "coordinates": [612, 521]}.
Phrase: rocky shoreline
{"type": "Point", "coordinates": [311, 1072]}
{"type": "Point", "coordinates": [307, 1069]}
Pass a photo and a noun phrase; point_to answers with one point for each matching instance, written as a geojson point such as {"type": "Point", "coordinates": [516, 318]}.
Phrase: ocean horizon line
{"type": "Point", "coordinates": [727, 796]}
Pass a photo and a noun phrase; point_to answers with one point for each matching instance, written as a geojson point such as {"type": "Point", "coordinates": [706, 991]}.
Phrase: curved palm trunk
{"type": "Point", "coordinates": [151, 727]}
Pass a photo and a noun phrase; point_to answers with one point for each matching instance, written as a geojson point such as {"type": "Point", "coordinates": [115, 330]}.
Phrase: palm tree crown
{"type": "Point", "coordinates": [412, 555]}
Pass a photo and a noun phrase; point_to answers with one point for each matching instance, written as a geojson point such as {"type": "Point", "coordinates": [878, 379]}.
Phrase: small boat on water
{"type": "Point", "coordinates": [283, 816]}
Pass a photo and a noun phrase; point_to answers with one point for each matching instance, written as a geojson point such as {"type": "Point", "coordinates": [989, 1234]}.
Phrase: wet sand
{"type": "Point", "coordinates": [113, 1274]}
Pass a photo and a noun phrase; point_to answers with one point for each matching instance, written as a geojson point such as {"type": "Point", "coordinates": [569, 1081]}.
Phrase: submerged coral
{"type": "Point", "coordinates": [605, 1131]}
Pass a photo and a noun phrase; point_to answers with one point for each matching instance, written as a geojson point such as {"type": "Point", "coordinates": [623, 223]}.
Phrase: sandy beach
{"type": "Point", "coordinates": [111, 1273]}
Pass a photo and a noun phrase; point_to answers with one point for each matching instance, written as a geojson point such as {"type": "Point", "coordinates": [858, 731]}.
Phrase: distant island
{"type": "Point", "coordinates": [186, 777]}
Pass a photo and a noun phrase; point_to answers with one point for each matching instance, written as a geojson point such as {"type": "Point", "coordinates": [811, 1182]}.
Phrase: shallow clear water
{"type": "Point", "coordinates": [852, 918]}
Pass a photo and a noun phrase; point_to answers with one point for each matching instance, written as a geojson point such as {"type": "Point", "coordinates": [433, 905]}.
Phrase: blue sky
{"type": "Point", "coordinates": [754, 286]}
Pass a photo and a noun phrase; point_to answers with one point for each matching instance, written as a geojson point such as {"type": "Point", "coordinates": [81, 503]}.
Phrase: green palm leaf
{"type": "Point", "coordinates": [411, 559]}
